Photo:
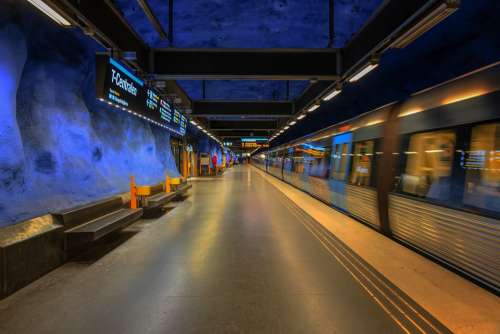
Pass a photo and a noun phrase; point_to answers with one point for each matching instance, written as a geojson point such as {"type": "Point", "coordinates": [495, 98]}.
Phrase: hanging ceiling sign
{"type": "Point", "coordinates": [119, 87]}
{"type": "Point", "coordinates": [254, 145]}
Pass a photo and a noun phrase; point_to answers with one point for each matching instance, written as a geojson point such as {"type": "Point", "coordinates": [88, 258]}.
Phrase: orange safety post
{"type": "Point", "coordinates": [167, 184]}
{"type": "Point", "coordinates": [133, 193]}
{"type": "Point", "coordinates": [185, 163]}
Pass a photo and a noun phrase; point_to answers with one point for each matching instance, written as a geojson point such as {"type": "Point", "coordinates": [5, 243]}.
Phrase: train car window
{"type": "Point", "coordinates": [335, 161]}
{"type": "Point", "coordinates": [275, 161]}
{"type": "Point", "coordinates": [340, 158]}
{"type": "Point", "coordinates": [429, 163]}
{"type": "Point", "coordinates": [288, 162]}
{"type": "Point", "coordinates": [319, 160]}
{"type": "Point", "coordinates": [298, 160]}
{"type": "Point", "coordinates": [362, 165]}
{"type": "Point", "coordinates": [482, 168]}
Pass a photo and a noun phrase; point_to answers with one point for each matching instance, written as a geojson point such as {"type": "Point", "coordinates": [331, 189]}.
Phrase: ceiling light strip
{"type": "Point", "coordinates": [44, 8]}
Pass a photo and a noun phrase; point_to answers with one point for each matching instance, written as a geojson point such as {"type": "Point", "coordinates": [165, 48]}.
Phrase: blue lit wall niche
{"type": "Point", "coordinates": [206, 145]}
{"type": "Point", "coordinates": [59, 147]}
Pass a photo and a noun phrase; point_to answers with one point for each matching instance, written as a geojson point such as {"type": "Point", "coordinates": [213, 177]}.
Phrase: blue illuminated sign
{"type": "Point", "coordinates": [119, 87]}
{"type": "Point", "coordinates": [253, 139]}
{"type": "Point", "coordinates": [127, 72]}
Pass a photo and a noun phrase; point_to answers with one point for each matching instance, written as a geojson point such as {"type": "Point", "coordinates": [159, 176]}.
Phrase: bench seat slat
{"type": "Point", "coordinates": [83, 213]}
{"type": "Point", "coordinates": [183, 188]}
{"type": "Point", "coordinates": [160, 199]}
{"type": "Point", "coordinates": [101, 226]}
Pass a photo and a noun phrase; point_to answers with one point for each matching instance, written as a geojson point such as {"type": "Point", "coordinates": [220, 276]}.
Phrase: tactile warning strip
{"type": "Point", "coordinates": [410, 316]}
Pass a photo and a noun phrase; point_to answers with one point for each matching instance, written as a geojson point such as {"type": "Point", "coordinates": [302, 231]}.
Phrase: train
{"type": "Point", "coordinates": [424, 171]}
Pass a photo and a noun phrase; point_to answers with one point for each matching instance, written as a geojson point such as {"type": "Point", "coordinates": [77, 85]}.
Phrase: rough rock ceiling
{"type": "Point", "coordinates": [249, 24]}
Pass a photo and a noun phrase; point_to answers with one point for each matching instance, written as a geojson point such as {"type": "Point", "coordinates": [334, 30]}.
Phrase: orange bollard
{"type": "Point", "coordinates": [133, 193]}
{"type": "Point", "coordinates": [167, 184]}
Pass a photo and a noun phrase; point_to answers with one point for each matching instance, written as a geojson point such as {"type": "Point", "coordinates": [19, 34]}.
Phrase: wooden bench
{"type": "Point", "coordinates": [89, 222]}
{"type": "Point", "coordinates": [180, 186]}
{"type": "Point", "coordinates": [153, 198]}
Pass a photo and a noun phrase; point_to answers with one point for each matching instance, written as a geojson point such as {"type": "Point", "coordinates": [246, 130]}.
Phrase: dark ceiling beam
{"type": "Point", "coordinates": [103, 21]}
{"type": "Point", "coordinates": [256, 64]}
{"type": "Point", "coordinates": [389, 22]}
{"type": "Point", "coordinates": [267, 109]}
{"type": "Point", "coordinates": [241, 133]}
{"type": "Point", "coordinates": [152, 18]}
{"type": "Point", "coordinates": [243, 125]}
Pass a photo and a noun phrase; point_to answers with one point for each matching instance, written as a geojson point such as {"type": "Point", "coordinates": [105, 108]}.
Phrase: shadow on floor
{"type": "Point", "coordinates": [155, 214]}
{"type": "Point", "coordinates": [100, 248]}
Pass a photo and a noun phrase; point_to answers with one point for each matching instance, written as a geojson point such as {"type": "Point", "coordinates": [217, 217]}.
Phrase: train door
{"type": "Point", "coordinates": [288, 165]}
{"type": "Point", "coordinates": [339, 165]}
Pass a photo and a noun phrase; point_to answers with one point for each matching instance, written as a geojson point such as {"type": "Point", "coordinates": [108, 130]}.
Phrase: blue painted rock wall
{"type": "Point", "coordinates": [59, 146]}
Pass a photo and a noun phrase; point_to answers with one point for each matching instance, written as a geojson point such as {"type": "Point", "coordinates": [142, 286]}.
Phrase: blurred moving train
{"type": "Point", "coordinates": [425, 171]}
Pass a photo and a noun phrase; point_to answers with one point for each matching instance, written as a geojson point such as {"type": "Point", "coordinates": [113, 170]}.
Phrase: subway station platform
{"type": "Point", "coordinates": [241, 255]}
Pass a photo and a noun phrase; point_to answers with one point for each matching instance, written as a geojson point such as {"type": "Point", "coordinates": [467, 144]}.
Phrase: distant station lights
{"type": "Point", "coordinates": [373, 64]}
{"type": "Point", "coordinates": [206, 132]}
{"type": "Point", "coordinates": [47, 10]}
{"type": "Point", "coordinates": [313, 107]}
{"type": "Point", "coordinates": [425, 24]}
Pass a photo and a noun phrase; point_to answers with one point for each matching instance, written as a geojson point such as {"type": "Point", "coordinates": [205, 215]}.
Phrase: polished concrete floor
{"type": "Point", "coordinates": [232, 258]}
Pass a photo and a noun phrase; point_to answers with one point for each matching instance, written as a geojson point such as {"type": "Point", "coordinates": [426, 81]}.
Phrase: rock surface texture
{"type": "Point", "coordinates": [60, 147]}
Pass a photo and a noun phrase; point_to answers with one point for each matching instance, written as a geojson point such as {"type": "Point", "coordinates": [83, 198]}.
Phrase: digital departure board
{"type": "Point", "coordinates": [118, 86]}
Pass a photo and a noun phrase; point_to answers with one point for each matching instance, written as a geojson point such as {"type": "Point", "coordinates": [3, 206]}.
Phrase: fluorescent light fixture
{"type": "Point", "coordinates": [293, 123]}
{"type": "Point", "coordinates": [286, 127]}
{"type": "Point", "coordinates": [301, 117]}
{"type": "Point", "coordinates": [313, 107]}
{"type": "Point", "coordinates": [199, 127]}
{"type": "Point", "coordinates": [332, 94]}
{"type": "Point", "coordinates": [367, 69]}
{"type": "Point", "coordinates": [193, 122]}
{"type": "Point", "coordinates": [444, 10]}
{"type": "Point", "coordinates": [44, 8]}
